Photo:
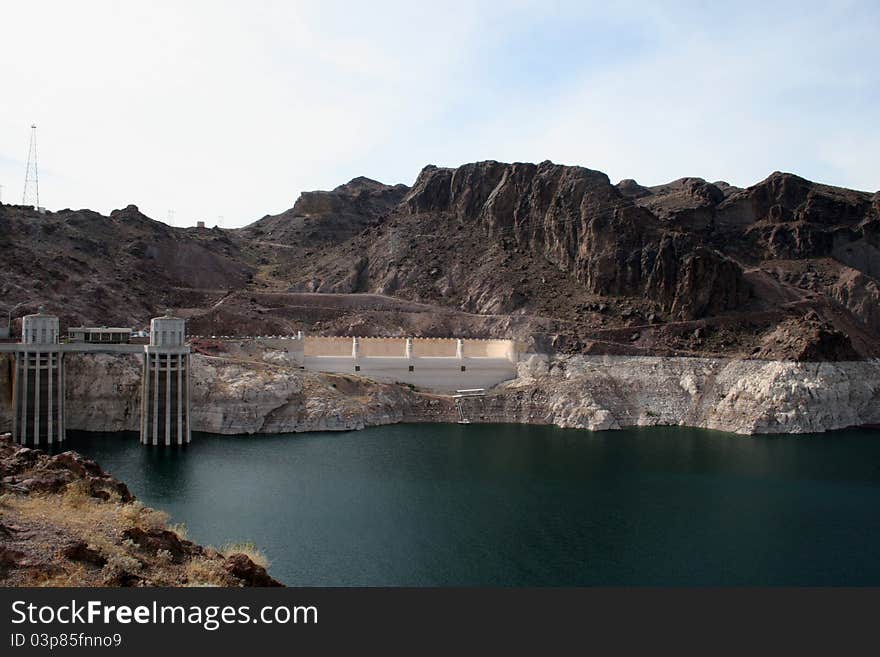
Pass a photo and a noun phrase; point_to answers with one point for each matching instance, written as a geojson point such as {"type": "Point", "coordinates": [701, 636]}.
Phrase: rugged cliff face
{"type": "Point", "coordinates": [739, 396]}
{"type": "Point", "coordinates": [586, 392]}
{"type": "Point", "coordinates": [103, 391]}
{"type": "Point", "coordinates": [238, 398]}
{"type": "Point", "coordinates": [581, 223]}
{"type": "Point", "coordinates": [319, 217]}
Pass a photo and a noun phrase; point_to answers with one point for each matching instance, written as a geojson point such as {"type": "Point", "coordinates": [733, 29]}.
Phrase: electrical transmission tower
{"type": "Point", "coordinates": [31, 194]}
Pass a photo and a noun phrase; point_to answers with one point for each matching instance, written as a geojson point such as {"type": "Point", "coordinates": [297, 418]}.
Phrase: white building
{"type": "Point", "coordinates": [96, 334]}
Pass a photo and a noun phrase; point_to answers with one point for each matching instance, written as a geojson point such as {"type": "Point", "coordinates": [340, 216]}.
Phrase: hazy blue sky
{"type": "Point", "coordinates": [232, 108]}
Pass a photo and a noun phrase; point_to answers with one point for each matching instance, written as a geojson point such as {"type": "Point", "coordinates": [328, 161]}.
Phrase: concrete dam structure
{"type": "Point", "coordinates": [155, 388]}
{"type": "Point", "coordinates": [447, 364]}
{"type": "Point", "coordinates": [437, 364]}
{"type": "Point", "coordinates": [38, 390]}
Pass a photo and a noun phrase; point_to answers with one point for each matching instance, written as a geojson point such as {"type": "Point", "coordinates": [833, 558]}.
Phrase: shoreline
{"type": "Point", "coordinates": [200, 435]}
{"type": "Point", "coordinates": [268, 395]}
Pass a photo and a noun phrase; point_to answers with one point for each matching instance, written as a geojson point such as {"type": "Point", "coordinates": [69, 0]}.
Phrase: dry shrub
{"type": "Point", "coordinates": [138, 515]}
{"type": "Point", "coordinates": [114, 496]}
{"type": "Point", "coordinates": [77, 494]}
{"type": "Point", "coordinates": [153, 519]}
{"type": "Point", "coordinates": [180, 529]}
{"type": "Point", "coordinates": [204, 572]}
{"type": "Point", "coordinates": [249, 550]}
{"type": "Point", "coordinates": [130, 512]}
{"type": "Point", "coordinates": [119, 562]}
{"type": "Point", "coordinates": [74, 575]}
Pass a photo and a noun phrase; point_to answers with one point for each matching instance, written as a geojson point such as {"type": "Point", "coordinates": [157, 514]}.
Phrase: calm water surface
{"type": "Point", "coordinates": [523, 505]}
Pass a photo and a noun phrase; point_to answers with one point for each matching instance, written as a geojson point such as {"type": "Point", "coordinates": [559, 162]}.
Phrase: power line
{"type": "Point", "coordinates": [31, 193]}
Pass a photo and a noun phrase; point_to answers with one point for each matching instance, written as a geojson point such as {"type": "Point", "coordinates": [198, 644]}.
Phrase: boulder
{"type": "Point", "coordinates": [154, 540]}
{"type": "Point", "coordinates": [243, 568]}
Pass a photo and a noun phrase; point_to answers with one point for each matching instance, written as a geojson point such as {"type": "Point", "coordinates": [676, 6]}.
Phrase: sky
{"type": "Point", "coordinates": [225, 111]}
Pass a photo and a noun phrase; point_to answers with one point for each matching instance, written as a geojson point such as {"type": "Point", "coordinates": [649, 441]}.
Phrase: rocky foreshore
{"type": "Point", "coordinates": [234, 396]}
{"type": "Point", "coordinates": [64, 521]}
{"type": "Point", "coordinates": [738, 396]}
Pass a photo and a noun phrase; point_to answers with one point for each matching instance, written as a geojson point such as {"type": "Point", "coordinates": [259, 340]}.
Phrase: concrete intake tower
{"type": "Point", "coordinates": [38, 382]}
{"type": "Point", "coordinates": [165, 384]}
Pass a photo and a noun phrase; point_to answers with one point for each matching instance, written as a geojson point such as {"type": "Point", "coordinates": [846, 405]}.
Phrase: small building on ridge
{"type": "Point", "coordinates": [99, 334]}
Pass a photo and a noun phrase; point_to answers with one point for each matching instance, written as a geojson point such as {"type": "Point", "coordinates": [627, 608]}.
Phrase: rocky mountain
{"type": "Point", "coordinates": [115, 270]}
{"type": "Point", "coordinates": [329, 217]}
{"type": "Point", "coordinates": [786, 268]}
{"type": "Point", "coordinates": [557, 256]}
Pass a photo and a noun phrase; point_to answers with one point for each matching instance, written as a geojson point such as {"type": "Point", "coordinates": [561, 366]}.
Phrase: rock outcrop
{"type": "Point", "coordinates": [738, 396]}
{"type": "Point", "coordinates": [64, 521]}
{"type": "Point", "coordinates": [576, 219]}
{"type": "Point", "coordinates": [321, 217]}
{"type": "Point", "coordinates": [238, 398]}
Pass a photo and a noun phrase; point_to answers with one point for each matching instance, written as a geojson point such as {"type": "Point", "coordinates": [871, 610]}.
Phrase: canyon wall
{"type": "Point", "coordinates": [586, 392]}
{"type": "Point", "coordinates": [739, 396]}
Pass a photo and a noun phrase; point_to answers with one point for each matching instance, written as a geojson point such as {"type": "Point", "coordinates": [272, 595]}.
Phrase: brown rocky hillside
{"type": "Point", "coordinates": [555, 255]}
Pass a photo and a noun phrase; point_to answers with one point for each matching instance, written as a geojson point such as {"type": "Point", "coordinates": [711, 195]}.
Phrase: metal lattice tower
{"type": "Point", "coordinates": [31, 194]}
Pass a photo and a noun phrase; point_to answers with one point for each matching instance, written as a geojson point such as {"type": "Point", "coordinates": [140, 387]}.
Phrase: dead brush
{"type": "Point", "coordinates": [137, 515]}
{"type": "Point", "coordinates": [248, 549]}
{"type": "Point", "coordinates": [77, 494]}
{"type": "Point", "coordinates": [180, 529]}
{"type": "Point", "coordinates": [205, 572]}
{"type": "Point", "coordinates": [73, 575]}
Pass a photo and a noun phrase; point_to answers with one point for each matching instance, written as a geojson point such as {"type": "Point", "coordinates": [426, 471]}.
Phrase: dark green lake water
{"type": "Point", "coordinates": [523, 505]}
